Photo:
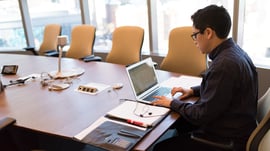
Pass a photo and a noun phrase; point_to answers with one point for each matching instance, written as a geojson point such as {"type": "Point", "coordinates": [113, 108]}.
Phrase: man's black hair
{"type": "Point", "coordinates": [215, 17]}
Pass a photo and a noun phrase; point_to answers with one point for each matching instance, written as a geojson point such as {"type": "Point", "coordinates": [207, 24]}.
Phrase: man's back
{"type": "Point", "coordinates": [233, 79]}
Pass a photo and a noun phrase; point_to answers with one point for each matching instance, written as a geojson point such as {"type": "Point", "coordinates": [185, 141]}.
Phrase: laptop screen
{"type": "Point", "coordinates": [142, 76]}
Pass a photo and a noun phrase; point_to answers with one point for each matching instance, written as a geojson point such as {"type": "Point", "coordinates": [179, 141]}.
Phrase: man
{"type": "Point", "coordinates": [226, 109]}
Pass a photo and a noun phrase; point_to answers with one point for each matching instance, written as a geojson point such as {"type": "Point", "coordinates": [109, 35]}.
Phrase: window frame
{"type": "Point", "coordinates": [237, 27]}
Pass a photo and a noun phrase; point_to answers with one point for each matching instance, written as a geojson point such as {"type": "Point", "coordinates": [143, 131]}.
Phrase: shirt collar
{"type": "Point", "coordinates": [225, 44]}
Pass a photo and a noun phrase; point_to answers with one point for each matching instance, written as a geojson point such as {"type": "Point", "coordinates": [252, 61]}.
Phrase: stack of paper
{"type": "Point", "coordinates": [139, 114]}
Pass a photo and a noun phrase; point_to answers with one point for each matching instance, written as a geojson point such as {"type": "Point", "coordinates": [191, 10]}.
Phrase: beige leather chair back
{"type": "Point", "coordinates": [49, 42]}
{"type": "Point", "coordinates": [183, 56]}
{"type": "Point", "coordinates": [82, 41]}
{"type": "Point", "coordinates": [263, 105]}
{"type": "Point", "coordinates": [126, 45]}
{"type": "Point", "coordinates": [260, 137]}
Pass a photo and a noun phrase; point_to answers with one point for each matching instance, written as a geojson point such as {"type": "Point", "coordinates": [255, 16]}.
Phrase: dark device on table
{"type": "Point", "coordinates": [9, 69]}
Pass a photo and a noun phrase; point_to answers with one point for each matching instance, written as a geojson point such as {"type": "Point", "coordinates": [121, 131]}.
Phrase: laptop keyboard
{"type": "Point", "coordinates": [161, 91]}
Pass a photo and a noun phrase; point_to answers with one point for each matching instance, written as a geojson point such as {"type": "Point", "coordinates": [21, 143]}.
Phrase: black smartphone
{"type": "Point", "coordinates": [9, 69]}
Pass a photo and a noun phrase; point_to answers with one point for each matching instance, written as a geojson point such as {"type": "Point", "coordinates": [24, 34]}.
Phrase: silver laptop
{"type": "Point", "coordinates": [144, 81]}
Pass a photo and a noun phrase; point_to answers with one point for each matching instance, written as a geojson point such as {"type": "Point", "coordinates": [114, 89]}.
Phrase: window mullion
{"type": "Point", "coordinates": [26, 21]}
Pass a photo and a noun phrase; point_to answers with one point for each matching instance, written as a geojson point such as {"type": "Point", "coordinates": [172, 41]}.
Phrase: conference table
{"type": "Point", "coordinates": [67, 112]}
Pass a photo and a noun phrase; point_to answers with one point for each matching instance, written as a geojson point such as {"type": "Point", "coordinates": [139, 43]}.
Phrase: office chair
{"type": "Point", "coordinates": [183, 56]}
{"type": "Point", "coordinates": [49, 43]}
{"type": "Point", "coordinates": [127, 42]}
{"type": "Point", "coordinates": [6, 141]}
{"type": "Point", "coordinates": [82, 42]}
{"type": "Point", "coordinates": [263, 106]}
{"type": "Point", "coordinates": [260, 137]}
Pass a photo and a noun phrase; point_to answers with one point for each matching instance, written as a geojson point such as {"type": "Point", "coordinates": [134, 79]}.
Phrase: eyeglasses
{"type": "Point", "coordinates": [194, 35]}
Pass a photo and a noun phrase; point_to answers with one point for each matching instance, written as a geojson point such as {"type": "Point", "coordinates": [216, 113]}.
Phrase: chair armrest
{"type": "Point", "coordinates": [29, 48]}
{"type": "Point", "coordinates": [32, 49]}
{"type": "Point", "coordinates": [5, 122]}
{"type": "Point", "coordinates": [223, 144]}
{"type": "Point", "coordinates": [52, 53]}
{"type": "Point", "coordinates": [155, 65]}
{"type": "Point", "coordinates": [91, 58]}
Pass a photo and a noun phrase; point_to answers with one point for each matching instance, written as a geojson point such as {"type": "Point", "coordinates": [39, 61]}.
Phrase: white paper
{"type": "Point", "coordinates": [182, 81]}
{"type": "Point", "coordinates": [140, 112]}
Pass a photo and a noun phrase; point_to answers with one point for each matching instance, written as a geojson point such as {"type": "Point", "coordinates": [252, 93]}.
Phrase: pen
{"type": "Point", "coordinates": [129, 121]}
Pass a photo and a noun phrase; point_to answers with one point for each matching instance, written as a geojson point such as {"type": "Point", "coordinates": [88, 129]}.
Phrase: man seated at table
{"type": "Point", "coordinates": [226, 108]}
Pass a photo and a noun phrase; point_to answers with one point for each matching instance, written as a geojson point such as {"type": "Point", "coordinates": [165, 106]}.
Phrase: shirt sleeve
{"type": "Point", "coordinates": [196, 90]}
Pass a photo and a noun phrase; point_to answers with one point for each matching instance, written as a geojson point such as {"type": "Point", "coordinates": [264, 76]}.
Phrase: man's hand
{"type": "Point", "coordinates": [162, 101]}
{"type": "Point", "coordinates": [185, 92]}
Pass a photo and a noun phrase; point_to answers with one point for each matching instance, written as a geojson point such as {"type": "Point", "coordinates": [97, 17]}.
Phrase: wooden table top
{"type": "Point", "coordinates": [67, 112]}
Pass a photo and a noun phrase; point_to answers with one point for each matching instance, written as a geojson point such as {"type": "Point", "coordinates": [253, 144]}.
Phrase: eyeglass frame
{"type": "Point", "coordinates": [194, 35]}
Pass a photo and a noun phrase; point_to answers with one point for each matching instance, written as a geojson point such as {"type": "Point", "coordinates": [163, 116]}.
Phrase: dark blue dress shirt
{"type": "Point", "coordinates": [228, 95]}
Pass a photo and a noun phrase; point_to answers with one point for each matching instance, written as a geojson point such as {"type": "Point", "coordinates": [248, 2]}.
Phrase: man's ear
{"type": "Point", "coordinates": [209, 32]}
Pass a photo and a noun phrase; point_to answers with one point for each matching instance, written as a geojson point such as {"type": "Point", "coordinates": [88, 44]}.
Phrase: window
{"type": "Point", "coordinates": [106, 15]}
{"type": "Point", "coordinates": [256, 31]}
{"type": "Point", "coordinates": [42, 12]}
{"type": "Point", "coordinates": [12, 34]}
{"type": "Point", "coordinates": [175, 13]}
{"type": "Point", "coordinates": [159, 16]}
